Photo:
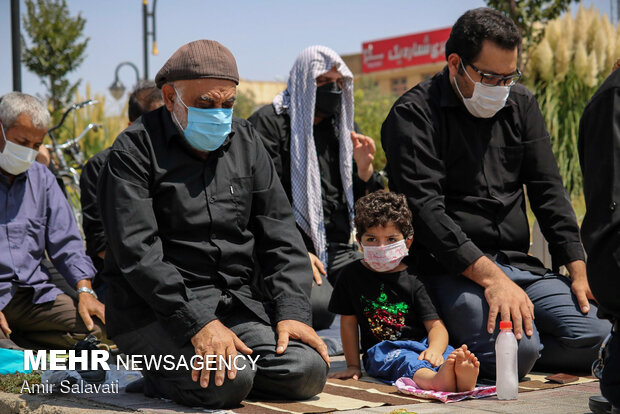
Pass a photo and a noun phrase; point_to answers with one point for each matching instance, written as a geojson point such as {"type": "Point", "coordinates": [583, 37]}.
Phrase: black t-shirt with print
{"type": "Point", "coordinates": [388, 306]}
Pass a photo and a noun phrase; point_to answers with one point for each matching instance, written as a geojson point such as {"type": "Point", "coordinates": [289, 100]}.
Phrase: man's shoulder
{"type": "Point", "coordinates": [424, 97]}
{"type": "Point", "coordinates": [134, 140]}
{"type": "Point", "coordinates": [240, 123]}
{"type": "Point", "coordinates": [40, 177]}
{"type": "Point", "coordinates": [610, 85]}
{"type": "Point", "coordinates": [99, 158]}
{"type": "Point", "coordinates": [423, 92]}
{"type": "Point", "coordinates": [265, 111]}
{"type": "Point", "coordinates": [266, 120]}
{"type": "Point", "coordinates": [243, 130]}
{"type": "Point", "coordinates": [520, 96]}
{"type": "Point", "coordinates": [39, 172]}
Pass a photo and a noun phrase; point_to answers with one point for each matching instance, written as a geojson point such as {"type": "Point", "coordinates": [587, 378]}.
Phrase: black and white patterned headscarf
{"type": "Point", "coordinates": [298, 100]}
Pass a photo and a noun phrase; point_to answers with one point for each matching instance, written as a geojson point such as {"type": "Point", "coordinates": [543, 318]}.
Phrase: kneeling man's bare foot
{"type": "Point", "coordinates": [442, 380]}
{"type": "Point", "coordinates": [466, 368]}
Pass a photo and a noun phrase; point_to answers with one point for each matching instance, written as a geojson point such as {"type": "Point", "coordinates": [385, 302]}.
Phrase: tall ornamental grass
{"type": "Point", "coordinates": [574, 56]}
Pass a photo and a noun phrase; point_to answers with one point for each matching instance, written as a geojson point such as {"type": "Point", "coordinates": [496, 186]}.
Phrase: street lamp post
{"type": "Point", "coordinates": [117, 89]}
{"type": "Point", "coordinates": [16, 46]}
{"type": "Point", "coordinates": [145, 33]}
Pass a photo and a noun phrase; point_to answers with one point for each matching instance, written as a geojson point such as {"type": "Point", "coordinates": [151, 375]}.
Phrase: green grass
{"type": "Point", "coordinates": [12, 383]}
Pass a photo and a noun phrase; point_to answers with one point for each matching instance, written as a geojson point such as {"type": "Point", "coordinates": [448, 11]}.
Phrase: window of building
{"type": "Point", "coordinates": [399, 86]}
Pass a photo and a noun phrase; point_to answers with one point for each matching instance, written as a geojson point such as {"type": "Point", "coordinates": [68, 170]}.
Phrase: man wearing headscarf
{"type": "Point", "coordinates": [323, 163]}
{"type": "Point", "coordinates": [203, 258]}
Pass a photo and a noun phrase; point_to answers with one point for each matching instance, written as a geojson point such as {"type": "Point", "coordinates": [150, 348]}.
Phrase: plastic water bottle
{"type": "Point", "coordinates": [506, 371]}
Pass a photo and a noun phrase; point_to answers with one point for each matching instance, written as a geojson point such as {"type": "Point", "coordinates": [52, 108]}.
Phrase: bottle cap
{"type": "Point", "coordinates": [505, 325]}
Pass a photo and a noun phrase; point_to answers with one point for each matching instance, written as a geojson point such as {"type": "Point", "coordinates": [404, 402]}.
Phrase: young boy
{"type": "Point", "coordinates": [402, 335]}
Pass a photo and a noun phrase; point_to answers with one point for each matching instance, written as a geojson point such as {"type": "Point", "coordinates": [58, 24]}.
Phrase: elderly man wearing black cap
{"type": "Point", "coordinates": [204, 259]}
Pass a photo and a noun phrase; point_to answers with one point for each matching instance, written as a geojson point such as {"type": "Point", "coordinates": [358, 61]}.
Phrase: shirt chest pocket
{"type": "Point", "coordinates": [512, 158]}
{"type": "Point", "coordinates": [505, 166]}
{"type": "Point", "coordinates": [27, 236]}
{"type": "Point", "coordinates": [240, 190]}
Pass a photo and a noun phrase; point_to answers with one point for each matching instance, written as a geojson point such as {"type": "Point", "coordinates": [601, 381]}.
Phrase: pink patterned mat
{"type": "Point", "coordinates": [408, 386]}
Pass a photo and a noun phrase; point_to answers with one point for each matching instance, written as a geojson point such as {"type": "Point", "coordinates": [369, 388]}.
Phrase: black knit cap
{"type": "Point", "coordinates": [199, 59]}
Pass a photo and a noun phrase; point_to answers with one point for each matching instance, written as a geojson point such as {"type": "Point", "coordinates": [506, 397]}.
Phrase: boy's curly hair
{"type": "Point", "coordinates": [380, 208]}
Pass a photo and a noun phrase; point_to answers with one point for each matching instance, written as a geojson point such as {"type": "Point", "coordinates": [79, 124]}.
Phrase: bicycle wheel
{"type": "Point", "coordinates": [72, 190]}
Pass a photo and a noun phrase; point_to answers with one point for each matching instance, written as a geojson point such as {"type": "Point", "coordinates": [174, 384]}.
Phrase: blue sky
{"type": "Point", "coordinates": [264, 35]}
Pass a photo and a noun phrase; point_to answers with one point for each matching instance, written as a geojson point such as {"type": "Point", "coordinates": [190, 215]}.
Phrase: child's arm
{"type": "Point", "coordinates": [437, 342]}
{"type": "Point", "coordinates": [351, 347]}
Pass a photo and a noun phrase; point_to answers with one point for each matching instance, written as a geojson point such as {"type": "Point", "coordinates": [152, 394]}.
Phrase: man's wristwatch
{"type": "Point", "coordinates": [87, 290]}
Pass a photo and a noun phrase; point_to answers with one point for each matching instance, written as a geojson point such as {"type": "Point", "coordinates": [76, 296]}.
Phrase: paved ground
{"type": "Point", "coordinates": [571, 399]}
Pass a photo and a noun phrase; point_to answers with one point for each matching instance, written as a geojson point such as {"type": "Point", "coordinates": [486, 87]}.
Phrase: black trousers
{"type": "Point", "coordinates": [338, 256]}
{"type": "Point", "coordinates": [298, 374]}
{"type": "Point", "coordinates": [610, 383]}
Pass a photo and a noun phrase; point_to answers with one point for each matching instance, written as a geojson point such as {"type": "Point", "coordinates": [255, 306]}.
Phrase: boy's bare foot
{"type": "Point", "coordinates": [442, 380]}
{"type": "Point", "coordinates": [466, 368]}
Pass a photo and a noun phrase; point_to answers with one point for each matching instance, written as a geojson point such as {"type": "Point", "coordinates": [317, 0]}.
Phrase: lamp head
{"type": "Point", "coordinates": [117, 89]}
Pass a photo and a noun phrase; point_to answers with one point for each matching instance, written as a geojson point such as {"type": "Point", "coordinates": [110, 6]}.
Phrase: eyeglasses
{"type": "Point", "coordinates": [490, 79]}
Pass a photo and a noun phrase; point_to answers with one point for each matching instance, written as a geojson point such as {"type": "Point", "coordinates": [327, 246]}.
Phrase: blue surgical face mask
{"type": "Point", "coordinates": [206, 128]}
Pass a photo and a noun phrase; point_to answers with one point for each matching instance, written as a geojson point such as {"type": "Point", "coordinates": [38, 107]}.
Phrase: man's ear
{"type": "Point", "coordinates": [454, 62]}
{"type": "Point", "coordinates": [169, 95]}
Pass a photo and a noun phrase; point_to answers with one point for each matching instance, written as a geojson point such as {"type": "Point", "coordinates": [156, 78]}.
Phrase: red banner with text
{"type": "Point", "coordinates": [400, 52]}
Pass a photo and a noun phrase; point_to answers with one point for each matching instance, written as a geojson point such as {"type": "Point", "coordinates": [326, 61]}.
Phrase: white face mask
{"type": "Point", "coordinates": [15, 159]}
{"type": "Point", "coordinates": [486, 100]}
{"type": "Point", "coordinates": [385, 258]}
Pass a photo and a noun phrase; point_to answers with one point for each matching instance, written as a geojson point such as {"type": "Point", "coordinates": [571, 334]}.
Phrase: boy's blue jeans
{"type": "Point", "coordinates": [390, 360]}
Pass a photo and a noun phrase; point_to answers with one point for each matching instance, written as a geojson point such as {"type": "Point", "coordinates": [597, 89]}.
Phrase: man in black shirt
{"type": "Point", "coordinates": [461, 146]}
{"type": "Point", "coordinates": [146, 97]}
{"type": "Point", "coordinates": [599, 142]}
{"type": "Point", "coordinates": [322, 180]}
{"type": "Point", "coordinates": [203, 256]}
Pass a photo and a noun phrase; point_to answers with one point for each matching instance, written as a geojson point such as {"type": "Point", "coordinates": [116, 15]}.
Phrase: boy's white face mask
{"type": "Point", "coordinates": [15, 159]}
{"type": "Point", "coordinates": [387, 257]}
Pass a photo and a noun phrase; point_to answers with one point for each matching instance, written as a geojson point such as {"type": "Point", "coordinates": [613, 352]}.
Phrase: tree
{"type": "Point", "coordinates": [531, 16]}
{"type": "Point", "coordinates": [371, 108]}
{"type": "Point", "coordinates": [245, 104]}
{"type": "Point", "coordinates": [56, 48]}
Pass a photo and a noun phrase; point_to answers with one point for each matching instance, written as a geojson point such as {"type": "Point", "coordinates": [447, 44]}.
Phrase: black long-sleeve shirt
{"type": "Point", "coordinates": [181, 230]}
{"type": "Point", "coordinates": [275, 130]}
{"type": "Point", "coordinates": [599, 153]}
{"type": "Point", "coordinates": [464, 176]}
{"type": "Point", "coordinates": [91, 219]}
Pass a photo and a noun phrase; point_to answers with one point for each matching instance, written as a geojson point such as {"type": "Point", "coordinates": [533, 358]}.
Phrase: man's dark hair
{"type": "Point", "coordinates": [477, 25]}
{"type": "Point", "coordinates": [379, 209]}
{"type": "Point", "coordinates": [146, 97]}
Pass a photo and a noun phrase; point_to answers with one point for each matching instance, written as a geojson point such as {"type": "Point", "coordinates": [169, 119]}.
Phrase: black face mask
{"type": "Point", "coordinates": [328, 99]}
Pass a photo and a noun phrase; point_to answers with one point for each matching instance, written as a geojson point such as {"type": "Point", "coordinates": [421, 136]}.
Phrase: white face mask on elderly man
{"type": "Point", "coordinates": [486, 100]}
{"type": "Point", "coordinates": [15, 159]}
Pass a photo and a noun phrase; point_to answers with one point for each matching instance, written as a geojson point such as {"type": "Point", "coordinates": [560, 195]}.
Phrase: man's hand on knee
{"type": "Point", "coordinates": [512, 303]}
{"type": "Point", "coordinates": [317, 269]}
{"type": "Point", "coordinates": [215, 339]}
{"type": "Point", "coordinates": [292, 329]}
{"type": "Point", "coordinates": [580, 286]}
{"type": "Point", "coordinates": [89, 306]}
{"type": "Point", "coordinates": [503, 296]}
